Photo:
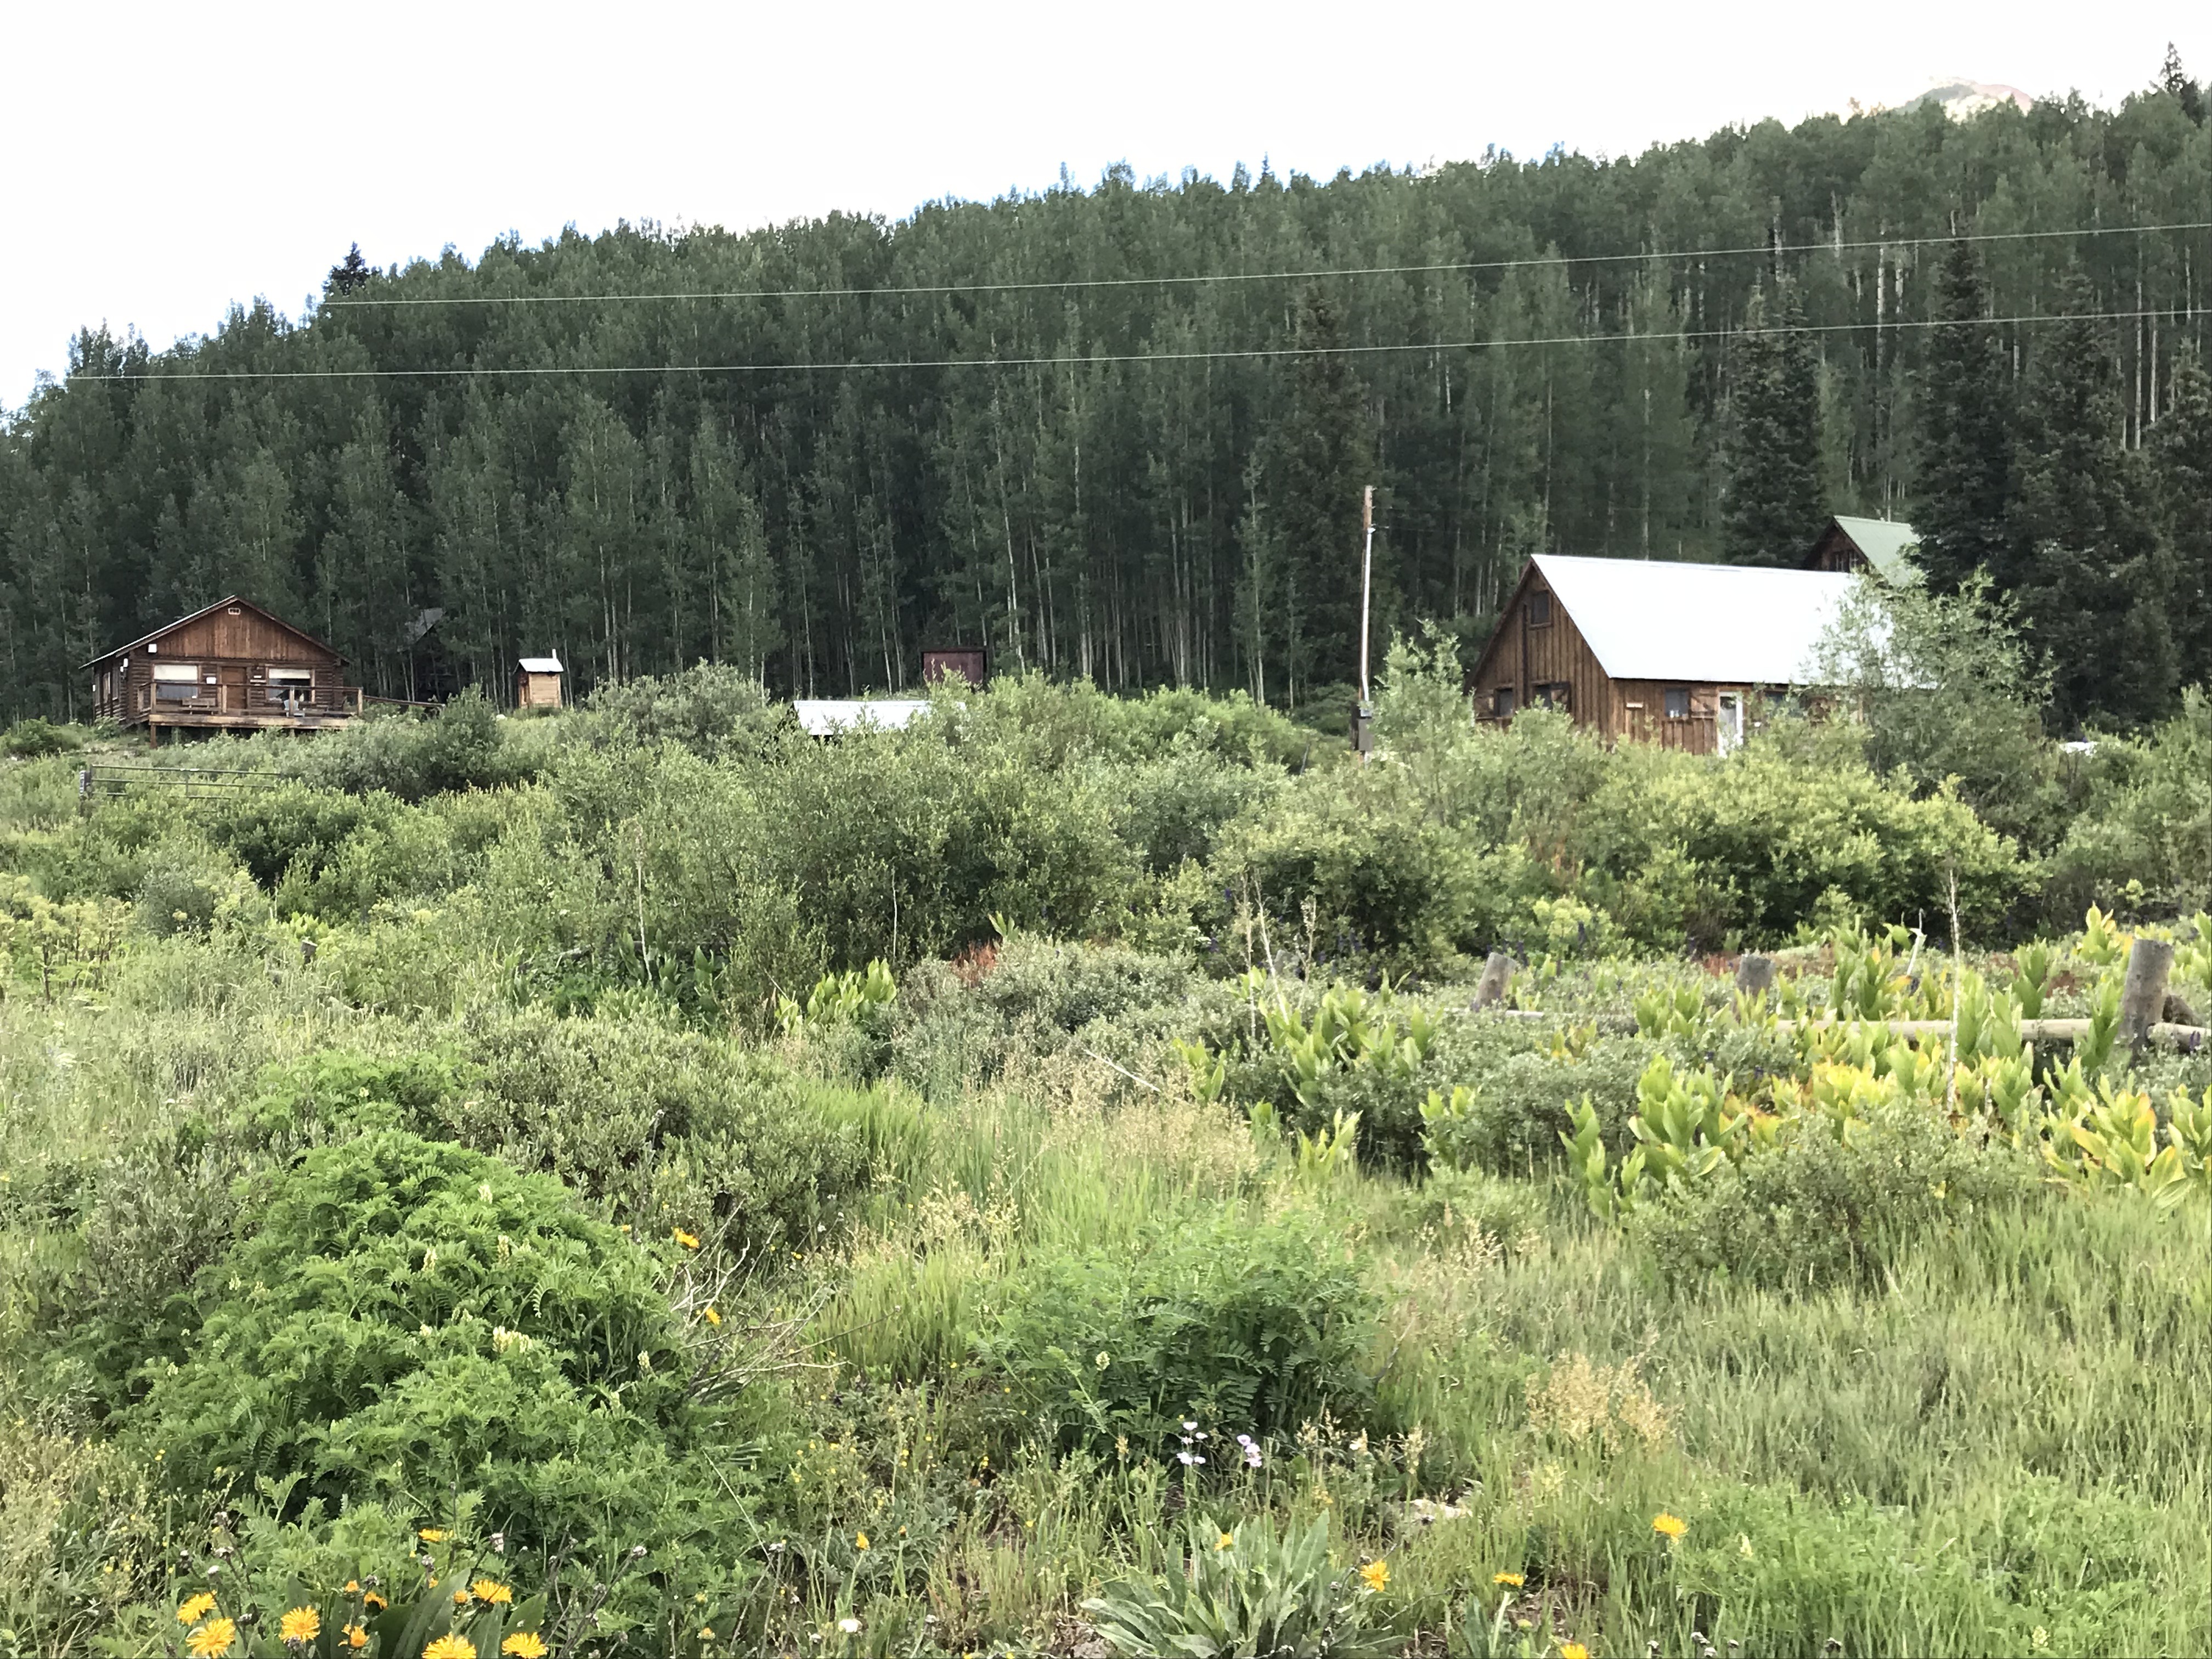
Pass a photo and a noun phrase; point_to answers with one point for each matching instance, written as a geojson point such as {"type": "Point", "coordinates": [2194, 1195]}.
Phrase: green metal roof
{"type": "Point", "coordinates": [1888, 544]}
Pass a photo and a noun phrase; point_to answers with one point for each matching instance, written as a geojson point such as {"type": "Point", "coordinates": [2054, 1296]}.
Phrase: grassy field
{"type": "Point", "coordinates": [466, 1280]}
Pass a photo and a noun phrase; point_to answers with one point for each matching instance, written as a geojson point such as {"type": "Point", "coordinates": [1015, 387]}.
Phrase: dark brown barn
{"type": "Point", "coordinates": [1682, 655]}
{"type": "Point", "coordinates": [1848, 546]}
{"type": "Point", "coordinates": [231, 667]}
{"type": "Point", "coordinates": [970, 664]}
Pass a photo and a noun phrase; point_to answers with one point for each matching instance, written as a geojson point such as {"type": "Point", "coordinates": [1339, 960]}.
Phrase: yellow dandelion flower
{"type": "Point", "coordinates": [491, 1591]}
{"type": "Point", "coordinates": [373, 1599]}
{"type": "Point", "coordinates": [352, 1587]}
{"type": "Point", "coordinates": [1574, 1650]}
{"type": "Point", "coordinates": [1375, 1575]}
{"type": "Point", "coordinates": [1511, 1580]}
{"type": "Point", "coordinates": [1225, 1542]}
{"type": "Point", "coordinates": [713, 1318]}
{"type": "Point", "coordinates": [859, 1540]}
{"type": "Point", "coordinates": [460, 1598]}
{"type": "Point", "coordinates": [196, 1609]}
{"type": "Point", "coordinates": [300, 1625]}
{"type": "Point", "coordinates": [1668, 1526]}
{"type": "Point", "coordinates": [356, 1637]}
{"type": "Point", "coordinates": [525, 1645]}
{"type": "Point", "coordinates": [431, 1535]}
{"type": "Point", "coordinates": [451, 1647]}
{"type": "Point", "coordinates": [689, 1241]}
{"type": "Point", "coordinates": [214, 1638]}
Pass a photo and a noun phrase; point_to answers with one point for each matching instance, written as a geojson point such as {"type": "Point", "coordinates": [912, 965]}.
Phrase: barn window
{"type": "Point", "coordinates": [289, 683]}
{"type": "Point", "coordinates": [1678, 703]}
{"type": "Point", "coordinates": [1539, 608]}
{"type": "Point", "coordinates": [1559, 694]}
{"type": "Point", "coordinates": [1501, 703]}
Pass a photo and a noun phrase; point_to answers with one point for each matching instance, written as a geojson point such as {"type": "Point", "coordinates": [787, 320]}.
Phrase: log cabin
{"type": "Point", "coordinates": [1884, 546]}
{"type": "Point", "coordinates": [1687, 656]}
{"type": "Point", "coordinates": [231, 667]}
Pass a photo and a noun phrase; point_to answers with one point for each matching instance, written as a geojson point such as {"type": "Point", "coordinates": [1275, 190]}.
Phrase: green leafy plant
{"type": "Point", "coordinates": [1256, 1325]}
{"type": "Point", "coordinates": [1250, 1590]}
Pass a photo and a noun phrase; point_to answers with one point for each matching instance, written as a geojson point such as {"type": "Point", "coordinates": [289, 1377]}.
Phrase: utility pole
{"type": "Point", "coordinates": [1363, 718]}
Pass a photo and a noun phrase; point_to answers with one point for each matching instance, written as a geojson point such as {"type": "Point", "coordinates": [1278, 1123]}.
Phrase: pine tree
{"type": "Point", "coordinates": [1772, 505]}
{"type": "Point", "coordinates": [1965, 452]}
{"type": "Point", "coordinates": [1320, 448]}
{"type": "Point", "coordinates": [2181, 450]}
{"type": "Point", "coordinates": [349, 275]}
{"type": "Point", "coordinates": [2093, 580]}
{"type": "Point", "coordinates": [2175, 82]}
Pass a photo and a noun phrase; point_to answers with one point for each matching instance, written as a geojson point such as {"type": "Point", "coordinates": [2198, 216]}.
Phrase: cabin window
{"type": "Point", "coordinates": [176, 682]}
{"type": "Point", "coordinates": [1501, 703]}
{"type": "Point", "coordinates": [1678, 703]}
{"type": "Point", "coordinates": [285, 683]}
{"type": "Point", "coordinates": [1539, 608]}
{"type": "Point", "coordinates": [1559, 694]}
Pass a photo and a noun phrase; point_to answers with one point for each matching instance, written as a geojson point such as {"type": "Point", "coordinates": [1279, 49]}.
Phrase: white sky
{"type": "Point", "coordinates": [161, 161]}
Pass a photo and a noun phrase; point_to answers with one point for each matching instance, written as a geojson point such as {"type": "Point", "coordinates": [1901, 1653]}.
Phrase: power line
{"type": "Point", "coordinates": [1072, 282]}
{"type": "Point", "coordinates": [1074, 360]}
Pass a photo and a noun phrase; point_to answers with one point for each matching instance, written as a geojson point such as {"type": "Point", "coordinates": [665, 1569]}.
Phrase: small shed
{"type": "Point", "coordinates": [1884, 546]}
{"type": "Point", "coordinates": [971, 664]}
{"type": "Point", "coordinates": [232, 666]}
{"type": "Point", "coordinates": [538, 682]}
{"type": "Point", "coordinates": [1682, 655]}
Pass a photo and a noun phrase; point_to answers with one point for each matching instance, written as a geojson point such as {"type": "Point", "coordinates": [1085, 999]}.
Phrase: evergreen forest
{"type": "Point", "coordinates": [1122, 432]}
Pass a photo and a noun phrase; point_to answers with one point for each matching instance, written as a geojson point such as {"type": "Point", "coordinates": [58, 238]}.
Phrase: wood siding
{"type": "Point", "coordinates": [1836, 551]}
{"type": "Point", "coordinates": [537, 690]}
{"type": "Point", "coordinates": [1524, 654]}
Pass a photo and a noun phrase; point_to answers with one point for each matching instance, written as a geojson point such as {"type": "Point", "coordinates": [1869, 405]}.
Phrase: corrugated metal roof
{"type": "Point", "coordinates": [1888, 544]}
{"type": "Point", "coordinates": [820, 717]}
{"type": "Point", "coordinates": [541, 666]}
{"type": "Point", "coordinates": [1719, 624]}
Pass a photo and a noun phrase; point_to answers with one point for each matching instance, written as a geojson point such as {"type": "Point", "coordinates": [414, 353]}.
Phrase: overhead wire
{"type": "Point", "coordinates": [892, 291]}
{"type": "Point", "coordinates": [1100, 359]}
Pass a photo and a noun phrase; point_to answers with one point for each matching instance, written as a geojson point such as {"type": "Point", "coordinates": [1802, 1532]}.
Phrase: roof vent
{"type": "Point", "coordinates": [233, 611]}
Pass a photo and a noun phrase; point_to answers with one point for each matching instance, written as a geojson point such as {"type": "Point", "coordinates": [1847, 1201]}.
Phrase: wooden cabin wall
{"type": "Point", "coordinates": [246, 637]}
{"type": "Point", "coordinates": [1527, 655]}
{"type": "Point", "coordinates": [1700, 734]}
{"type": "Point", "coordinates": [1836, 551]}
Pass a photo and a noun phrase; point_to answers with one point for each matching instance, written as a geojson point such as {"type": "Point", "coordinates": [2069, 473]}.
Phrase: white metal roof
{"type": "Point", "coordinates": [541, 664]}
{"type": "Point", "coordinates": [819, 717]}
{"type": "Point", "coordinates": [1722, 624]}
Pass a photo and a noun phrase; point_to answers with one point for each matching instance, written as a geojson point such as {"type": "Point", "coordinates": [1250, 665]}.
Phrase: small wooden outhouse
{"type": "Point", "coordinates": [232, 666]}
{"type": "Point", "coordinates": [1682, 655]}
{"type": "Point", "coordinates": [970, 664]}
{"type": "Point", "coordinates": [538, 682]}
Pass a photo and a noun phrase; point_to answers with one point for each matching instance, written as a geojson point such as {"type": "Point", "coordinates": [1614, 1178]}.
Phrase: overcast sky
{"type": "Point", "coordinates": [163, 160]}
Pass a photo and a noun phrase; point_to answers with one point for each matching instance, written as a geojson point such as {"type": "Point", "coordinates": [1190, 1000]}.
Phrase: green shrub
{"type": "Point", "coordinates": [1518, 1095]}
{"type": "Point", "coordinates": [187, 885]}
{"type": "Point", "coordinates": [714, 710]}
{"type": "Point", "coordinates": [1246, 1326]}
{"type": "Point", "coordinates": [410, 1319]}
{"type": "Point", "coordinates": [1505, 1210]}
{"type": "Point", "coordinates": [459, 747]}
{"type": "Point", "coordinates": [674, 1128]}
{"type": "Point", "coordinates": [335, 1092]}
{"type": "Point", "coordinates": [32, 739]}
{"type": "Point", "coordinates": [1822, 1208]}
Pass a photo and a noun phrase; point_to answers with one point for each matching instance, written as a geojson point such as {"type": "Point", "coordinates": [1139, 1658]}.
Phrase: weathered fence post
{"type": "Point", "coordinates": [2142, 992]}
{"type": "Point", "coordinates": [1755, 975]}
{"type": "Point", "coordinates": [1496, 976]}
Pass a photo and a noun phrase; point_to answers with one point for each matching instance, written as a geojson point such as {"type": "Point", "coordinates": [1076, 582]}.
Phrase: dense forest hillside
{"type": "Point", "coordinates": [1120, 432]}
